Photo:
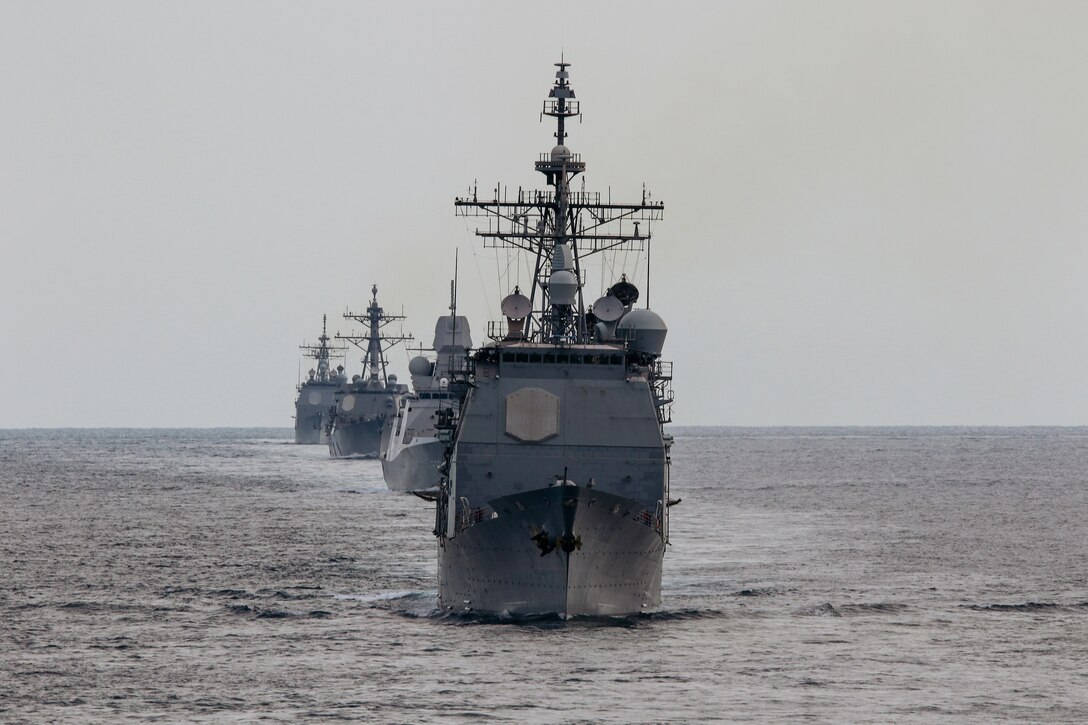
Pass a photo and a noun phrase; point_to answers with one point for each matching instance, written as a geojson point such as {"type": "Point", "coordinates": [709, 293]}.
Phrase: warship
{"type": "Point", "coordinates": [355, 428]}
{"type": "Point", "coordinates": [411, 453]}
{"type": "Point", "coordinates": [317, 394]}
{"type": "Point", "coordinates": [555, 499]}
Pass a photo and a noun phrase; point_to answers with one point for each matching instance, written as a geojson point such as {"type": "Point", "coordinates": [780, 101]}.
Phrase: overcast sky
{"type": "Point", "coordinates": [875, 212]}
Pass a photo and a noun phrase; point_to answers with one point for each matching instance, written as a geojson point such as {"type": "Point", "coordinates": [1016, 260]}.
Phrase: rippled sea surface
{"type": "Point", "coordinates": [826, 575]}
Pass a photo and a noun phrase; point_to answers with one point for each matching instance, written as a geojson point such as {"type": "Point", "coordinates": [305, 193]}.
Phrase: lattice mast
{"type": "Point", "coordinates": [374, 343]}
{"type": "Point", "coordinates": [321, 352]}
{"type": "Point", "coordinates": [560, 227]}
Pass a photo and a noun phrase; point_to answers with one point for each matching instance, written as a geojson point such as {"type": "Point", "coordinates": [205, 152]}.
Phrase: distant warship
{"type": "Point", "coordinates": [317, 394]}
{"type": "Point", "coordinates": [556, 497]}
{"type": "Point", "coordinates": [364, 405]}
{"type": "Point", "coordinates": [412, 455]}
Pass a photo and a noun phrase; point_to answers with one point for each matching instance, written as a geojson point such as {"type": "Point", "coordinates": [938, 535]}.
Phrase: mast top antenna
{"type": "Point", "coordinates": [560, 103]}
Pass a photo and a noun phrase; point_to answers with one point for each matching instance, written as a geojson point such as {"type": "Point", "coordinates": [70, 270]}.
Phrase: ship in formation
{"type": "Point", "coordinates": [544, 450]}
{"type": "Point", "coordinates": [412, 454]}
{"type": "Point", "coordinates": [318, 393]}
{"type": "Point", "coordinates": [370, 400]}
{"type": "Point", "coordinates": [554, 497]}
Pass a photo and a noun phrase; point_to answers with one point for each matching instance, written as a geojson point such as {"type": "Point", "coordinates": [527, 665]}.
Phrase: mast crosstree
{"type": "Point", "coordinates": [560, 227]}
{"type": "Point", "coordinates": [374, 343]}
{"type": "Point", "coordinates": [321, 352]}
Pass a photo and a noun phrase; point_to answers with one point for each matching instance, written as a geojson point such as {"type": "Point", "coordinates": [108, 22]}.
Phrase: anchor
{"type": "Point", "coordinates": [546, 544]}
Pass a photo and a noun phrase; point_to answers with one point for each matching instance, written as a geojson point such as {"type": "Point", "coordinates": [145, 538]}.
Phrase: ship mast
{"type": "Point", "coordinates": [560, 227]}
{"type": "Point", "coordinates": [374, 343]}
{"type": "Point", "coordinates": [320, 353]}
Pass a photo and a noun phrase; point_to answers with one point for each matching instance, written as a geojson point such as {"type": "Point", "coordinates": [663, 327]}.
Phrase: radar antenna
{"type": "Point", "coordinates": [374, 343]}
{"type": "Point", "coordinates": [321, 353]}
{"type": "Point", "coordinates": [560, 226]}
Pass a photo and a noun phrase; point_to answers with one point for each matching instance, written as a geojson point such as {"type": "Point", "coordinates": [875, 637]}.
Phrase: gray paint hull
{"type": "Point", "coordinates": [361, 414]}
{"type": "Point", "coordinates": [502, 563]}
{"type": "Point", "coordinates": [356, 439]}
{"type": "Point", "coordinates": [310, 427]}
{"type": "Point", "coordinates": [415, 465]}
{"type": "Point", "coordinates": [313, 411]}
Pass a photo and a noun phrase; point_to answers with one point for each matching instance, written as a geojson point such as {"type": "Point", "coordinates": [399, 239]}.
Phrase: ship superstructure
{"type": "Point", "coordinates": [317, 394]}
{"type": "Point", "coordinates": [412, 454]}
{"type": "Point", "coordinates": [372, 398]}
{"type": "Point", "coordinates": [556, 496]}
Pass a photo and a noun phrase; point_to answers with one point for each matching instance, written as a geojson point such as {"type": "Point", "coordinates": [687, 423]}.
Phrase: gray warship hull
{"type": "Point", "coordinates": [365, 405]}
{"type": "Point", "coordinates": [310, 427]}
{"type": "Point", "coordinates": [356, 438]}
{"type": "Point", "coordinates": [412, 455]}
{"type": "Point", "coordinates": [415, 466]}
{"type": "Point", "coordinates": [527, 423]}
{"type": "Point", "coordinates": [566, 550]}
{"type": "Point", "coordinates": [556, 493]}
{"type": "Point", "coordinates": [313, 413]}
{"type": "Point", "coordinates": [318, 396]}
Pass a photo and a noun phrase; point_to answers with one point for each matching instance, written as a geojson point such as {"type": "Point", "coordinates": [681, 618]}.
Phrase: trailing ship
{"type": "Point", "coordinates": [412, 454]}
{"type": "Point", "coordinates": [366, 403]}
{"type": "Point", "coordinates": [317, 394]}
{"type": "Point", "coordinates": [555, 499]}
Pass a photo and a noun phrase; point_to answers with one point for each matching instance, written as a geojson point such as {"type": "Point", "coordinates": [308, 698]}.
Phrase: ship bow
{"type": "Point", "coordinates": [566, 550]}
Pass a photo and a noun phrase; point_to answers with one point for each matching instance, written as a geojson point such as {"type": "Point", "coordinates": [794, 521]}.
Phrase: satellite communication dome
{"type": "Point", "coordinates": [419, 365]}
{"type": "Point", "coordinates": [644, 331]}
{"type": "Point", "coordinates": [562, 287]}
{"type": "Point", "coordinates": [561, 153]}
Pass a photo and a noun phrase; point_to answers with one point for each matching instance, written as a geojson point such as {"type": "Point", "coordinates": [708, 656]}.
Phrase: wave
{"type": "Point", "coordinates": [280, 594]}
{"type": "Point", "coordinates": [758, 592]}
{"type": "Point", "coordinates": [255, 612]}
{"type": "Point", "coordinates": [275, 614]}
{"type": "Point", "coordinates": [872, 608]}
{"type": "Point", "coordinates": [233, 593]}
{"type": "Point", "coordinates": [531, 621]}
{"type": "Point", "coordinates": [827, 609]}
{"type": "Point", "coordinates": [202, 592]}
{"type": "Point", "coordinates": [380, 596]}
{"type": "Point", "coordinates": [98, 607]}
{"type": "Point", "coordinates": [554, 621]}
{"type": "Point", "coordinates": [1026, 607]}
{"type": "Point", "coordinates": [304, 592]}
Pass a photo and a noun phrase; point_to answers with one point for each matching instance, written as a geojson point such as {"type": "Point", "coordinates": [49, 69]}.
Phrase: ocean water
{"type": "Point", "coordinates": [820, 575]}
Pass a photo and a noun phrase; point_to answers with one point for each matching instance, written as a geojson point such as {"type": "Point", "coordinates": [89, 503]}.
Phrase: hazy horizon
{"type": "Point", "coordinates": [874, 212]}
